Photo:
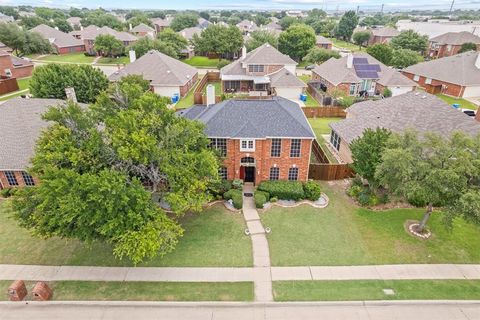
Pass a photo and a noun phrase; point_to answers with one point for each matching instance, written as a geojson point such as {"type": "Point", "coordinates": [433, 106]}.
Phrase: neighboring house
{"type": "Point", "coordinates": [274, 25]}
{"type": "Point", "coordinates": [143, 30]}
{"type": "Point", "coordinates": [433, 29]}
{"type": "Point", "coordinates": [188, 33]}
{"type": "Point", "coordinates": [5, 18]}
{"type": "Point", "coordinates": [167, 76]}
{"type": "Point", "coordinates": [382, 35]}
{"type": "Point", "coordinates": [20, 126]}
{"type": "Point", "coordinates": [414, 110]}
{"type": "Point", "coordinates": [448, 44]}
{"type": "Point", "coordinates": [14, 67]}
{"type": "Point", "coordinates": [75, 22]}
{"type": "Point", "coordinates": [247, 26]}
{"type": "Point", "coordinates": [62, 42]}
{"type": "Point", "coordinates": [161, 24]}
{"type": "Point", "coordinates": [261, 72]}
{"type": "Point", "coordinates": [89, 34]}
{"type": "Point", "coordinates": [457, 76]}
{"type": "Point", "coordinates": [203, 23]}
{"type": "Point", "coordinates": [357, 73]}
{"type": "Point", "coordinates": [259, 139]}
{"type": "Point", "coordinates": [323, 42]}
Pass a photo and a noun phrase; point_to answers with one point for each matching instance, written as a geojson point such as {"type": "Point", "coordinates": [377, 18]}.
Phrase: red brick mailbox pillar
{"type": "Point", "coordinates": [41, 292]}
{"type": "Point", "coordinates": [17, 290]}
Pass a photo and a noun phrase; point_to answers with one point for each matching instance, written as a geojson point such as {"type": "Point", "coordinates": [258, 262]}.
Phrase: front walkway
{"type": "Point", "coordinates": [261, 252]}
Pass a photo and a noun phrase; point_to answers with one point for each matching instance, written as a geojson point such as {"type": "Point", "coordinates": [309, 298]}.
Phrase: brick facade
{"type": "Point", "coordinates": [327, 46]}
{"type": "Point", "coordinates": [264, 161]}
{"type": "Point", "coordinates": [17, 72]}
{"type": "Point", "coordinates": [18, 175]}
{"type": "Point", "coordinates": [344, 87]}
{"type": "Point", "coordinates": [267, 69]}
{"type": "Point", "coordinates": [437, 86]}
{"type": "Point", "coordinates": [186, 88]}
{"type": "Point", "coordinates": [444, 50]}
{"type": "Point", "coordinates": [379, 39]}
{"type": "Point", "coordinates": [65, 50]}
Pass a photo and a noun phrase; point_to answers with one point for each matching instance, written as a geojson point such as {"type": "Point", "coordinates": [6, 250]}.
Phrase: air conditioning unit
{"type": "Point", "coordinates": [8, 73]}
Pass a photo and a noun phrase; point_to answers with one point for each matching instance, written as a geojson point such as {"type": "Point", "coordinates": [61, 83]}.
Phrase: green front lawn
{"type": "Point", "coordinates": [344, 44]}
{"type": "Point", "coordinates": [77, 57]}
{"type": "Point", "coordinates": [23, 84]}
{"type": "Point", "coordinates": [187, 101]}
{"type": "Point", "coordinates": [464, 104]}
{"type": "Point", "coordinates": [305, 78]}
{"type": "Point", "coordinates": [145, 291]}
{"type": "Point", "coordinates": [213, 238]}
{"type": "Point", "coordinates": [119, 60]}
{"type": "Point", "coordinates": [343, 234]}
{"type": "Point", "coordinates": [200, 61]}
{"type": "Point", "coordinates": [217, 85]}
{"type": "Point", "coordinates": [356, 290]}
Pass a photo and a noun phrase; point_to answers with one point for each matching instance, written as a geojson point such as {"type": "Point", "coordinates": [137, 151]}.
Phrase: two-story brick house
{"type": "Point", "coordinates": [450, 43]}
{"type": "Point", "coordinates": [262, 72]}
{"type": "Point", "coordinates": [14, 67]}
{"type": "Point", "coordinates": [61, 42]}
{"type": "Point", "coordinates": [259, 139]}
{"type": "Point", "coordinates": [90, 33]}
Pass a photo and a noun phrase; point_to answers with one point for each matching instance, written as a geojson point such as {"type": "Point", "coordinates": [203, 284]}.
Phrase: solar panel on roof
{"type": "Point", "coordinates": [367, 74]}
{"type": "Point", "coordinates": [367, 67]}
{"type": "Point", "coordinates": [360, 61]}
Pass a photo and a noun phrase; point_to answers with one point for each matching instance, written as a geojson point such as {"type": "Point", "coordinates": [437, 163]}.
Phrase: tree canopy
{"type": "Point", "coordinates": [109, 46]}
{"type": "Point", "coordinates": [219, 39]}
{"type": "Point", "coordinates": [100, 18]}
{"type": "Point", "coordinates": [107, 166]}
{"type": "Point", "coordinates": [361, 38]}
{"type": "Point", "coordinates": [50, 81]}
{"type": "Point", "coordinates": [382, 52]}
{"type": "Point", "coordinates": [468, 46]}
{"type": "Point", "coordinates": [402, 58]}
{"type": "Point", "coordinates": [287, 21]}
{"type": "Point", "coordinates": [296, 41]}
{"type": "Point", "coordinates": [172, 39]}
{"type": "Point", "coordinates": [410, 40]}
{"type": "Point", "coordinates": [21, 41]}
{"type": "Point", "coordinates": [259, 37]}
{"type": "Point", "coordinates": [184, 20]}
{"type": "Point", "coordinates": [319, 55]}
{"type": "Point", "coordinates": [346, 25]}
{"type": "Point", "coordinates": [145, 44]}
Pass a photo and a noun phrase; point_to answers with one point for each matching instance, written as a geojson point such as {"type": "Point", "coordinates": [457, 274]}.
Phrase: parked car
{"type": "Point", "coordinates": [310, 67]}
{"type": "Point", "coordinates": [470, 113]}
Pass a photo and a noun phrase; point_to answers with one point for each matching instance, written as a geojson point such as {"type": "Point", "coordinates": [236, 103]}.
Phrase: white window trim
{"type": "Point", "coordinates": [416, 77]}
{"type": "Point", "coordinates": [247, 142]}
{"type": "Point", "coordinates": [428, 81]}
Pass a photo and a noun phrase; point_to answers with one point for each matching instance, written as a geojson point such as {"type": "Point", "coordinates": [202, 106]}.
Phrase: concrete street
{"type": "Point", "coordinates": [418, 310]}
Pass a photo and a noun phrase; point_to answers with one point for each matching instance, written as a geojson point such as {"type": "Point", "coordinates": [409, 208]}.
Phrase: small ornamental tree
{"type": "Point", "coordinates": [109, 46]}
{"type": "Point", "coordinates": [382, 52]}
{"type": "Point", "coordinates": [367, 152]}
{"type": "Point", "coordinates": [410, 40]}
{"type": "Point", "coordinates": [361, 38]}
{"type": "Point", "coordinates": [320, 55]}
{"type": "Point", "coordinates": [468, 46]}
{"type": "Point", "coordinates": [402, 58]}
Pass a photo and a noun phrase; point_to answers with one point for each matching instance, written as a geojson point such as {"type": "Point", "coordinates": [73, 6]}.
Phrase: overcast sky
{"type": "Point", "coordinates": [255, 4]}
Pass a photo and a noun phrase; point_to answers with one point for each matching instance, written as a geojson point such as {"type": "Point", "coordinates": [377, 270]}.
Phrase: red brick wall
{"type": "Point", "coordinates": [17, 72]}
{"type": "Point", "coordinates": [377, 39]}
{"type": "Point", "coordinates": [66, 50]}
{"type": "Point", "coordinates": [267, 69]}
{"type": "Point", "coordinates": [324, 45]}
{"type": "Point", "coordinates": [184, 89]}
{"type": "Point", "coordinates": [264, 161]}
{"type": "Point", "coordinates": [345, 87]}
{"type": "Point", "coordinates": [18, 174]}
{"type": "Point", "coordinates": [450, 89]}
{"type": "Point", "coordinates": [443, 52]}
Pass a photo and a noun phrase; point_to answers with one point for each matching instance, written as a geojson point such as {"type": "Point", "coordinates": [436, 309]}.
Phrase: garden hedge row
{"type": "Point", "coordinates": [236, 196]}
{"type": "Point", "coordinates": [285, 190]}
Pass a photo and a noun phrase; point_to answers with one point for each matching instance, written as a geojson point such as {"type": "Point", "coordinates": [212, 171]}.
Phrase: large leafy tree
{"type": "Point", "coordinates": [429, 171]}
{"type": "Point", "coordinates": [100, 18]}
{"type": "Point", "coordinates": [259, 37]}
{"type": "Point", "coordinates": [105, 168]}
{"type": "Point", "coordinates": [382, 52]}
{"type": "Point", "coordinates": [172, 39]}
{"type": "Point", "coordinates": [320, 55]}
{"type": "Point", "coordinates": [296, 41]}
{"type": "Point", "coordinates": [50, 81]}
{"type": "Point", "coordinates": [347, 24]}
{"type": "Point", "coordinates": [62, 25]}
{"type": "Point", "coordinates": [145, 44]}
{"type": "Point", "coordinates": [31, 22]}
{"type": "Point", "coordinates": [218, 39]}
{"type": "Point", "coordinates": [468, 46]}
{"type": "Point", "coordinates": [361, 38]}
{"type": "Point", "coordinates": [367, 152]}
{"type": "Point", "coordinates": [411, 40]}
{"type": "Point", "coordinates": [138, 19]}
{"type": "Point", "coordinates": [184, 20]}
{"type": "Point", "coordinates": [21, 41]}
{"type": "Point", "coordinates": [287, 21]}
{"type": "Point", "coordinates": [402, 58]}
{"type": "Point", "coordinates": [109, 46]}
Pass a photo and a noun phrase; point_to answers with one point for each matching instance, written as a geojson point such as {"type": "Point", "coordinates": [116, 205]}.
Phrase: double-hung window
{"type": "Point", "coordinates": [219, 144]}
{"type": "Point", "coordinates": [11, 179]}
{"type": "Point", "coordinates": [335, 140]}
{"type": "Point", "coordinates": [255, 68]}
{"type": "Point", "coordinates": [28, 179]}
{"type": "Point", "coordinates": [247, 145]}
{"type": "Point", "coordinates": [276, 147]}
{"type": "Point", "coordinates": [293, 174]}
{"type": "Point", "coordinates": [274, 173]}
{"type": "Point", "coordinates": [295, 147]}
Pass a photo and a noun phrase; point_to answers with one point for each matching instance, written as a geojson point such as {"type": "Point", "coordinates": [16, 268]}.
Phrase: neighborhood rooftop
{"type": "Point", "coordinates": [142, 27]}
{"type": "Point", "coordinates": [159, 69]}
{"type": "Point", "coordinates": [456, 38]}
{"type": "Point", "coordinates": [385, 32]}
{"type": "Point", "coordinates": [91, 32]}
{"type": "Point", "coordinates": [59, 38]}
{"type": "Point", "coordinates": [462, 69]}
{"type": "Point", "coordinates": [244, 118]}
{"type": "Point", "coordinates": [414, 110]}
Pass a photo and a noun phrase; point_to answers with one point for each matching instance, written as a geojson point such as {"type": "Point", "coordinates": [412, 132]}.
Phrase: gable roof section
{"type": "Point", "coordinates": [56, 37]}
{"type": "Point", "coordinates": [91, 32]}
{"type": "Point", "coordinates": [456, 38]}
{"type": "Point", "coordinates": [259, 119]}
{"type": "Point", "coordinates": [322, 40]}
{"type": "Point", "coordinates": [188, 33]}
{"type": "Point", "coordinates": [162, 22]}
{"type": "Point", "coordinates": [413, 110]}
{"type": "Point", "coordinates": [385, 32]}
{"type": "Point", "coordinates": [142, 27]}
{"type": "Point", "coordinates": [20, 126]}
{"type": "Point", "coordinates": [267, 54]}
{"type": "Point", "coordinates": [458, 69]}
{"type": "Point", "coordinates": [159, 69]}
{"type": "Point", "coordinates": [284, 78]}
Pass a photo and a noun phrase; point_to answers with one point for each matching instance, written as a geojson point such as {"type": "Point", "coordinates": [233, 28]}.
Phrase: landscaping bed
{"type": "Point", "coordinates": [359, 290]}
{"type": "Point", "coordinates": [145, 291]}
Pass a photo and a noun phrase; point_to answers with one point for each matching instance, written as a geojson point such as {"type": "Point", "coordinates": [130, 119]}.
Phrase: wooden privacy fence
{"type": "Point", "coordinates": [329, 171]}
{"type": "Point", "coordinates": [324, 112]}
{"type": "Point", "coordinates": [198, 96]}
{"type": "Point", "coordinates": [8, 85]}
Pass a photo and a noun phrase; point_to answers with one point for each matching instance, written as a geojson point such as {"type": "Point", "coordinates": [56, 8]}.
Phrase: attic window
{"type": "Point", "coordinates": [255, 68]}
{"type": "Point", "coordinates": [247, 145]}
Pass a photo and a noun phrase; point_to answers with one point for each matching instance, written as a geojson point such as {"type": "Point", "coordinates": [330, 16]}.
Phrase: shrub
{"type": "Point", "coordinates": [387, 92]}
{"type": "Point", "coordinates": [285, 190]}
{"type": "Point", "coordinates": [374, 200]}
{"type": "Point", "coordinates": [312, 190]}
{"type": "Point", "coordinates": [237, 183]}
{"type": "Point", "coordinates": [6, 192]}
{"type": "Point", "coordinates": [273, 199]}
{"type": "Point", "coordinates": [220, 187]}
{"type": "Point", "coordinates": [222, 63]}
{"type": "Point", "coordinates": [354, 191]}
{"type": "Point", "coordinates": [266, 194]}
{"type": "Point", "coordinates": [364, 198]}
{"type": "Point", "coordinates": [260, 199]}
{"type": "Point", "coordinates": [236, 196]}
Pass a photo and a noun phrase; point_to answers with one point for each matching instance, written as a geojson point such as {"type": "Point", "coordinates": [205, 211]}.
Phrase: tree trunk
{"type": "Point", "coordinates": [426, 216]}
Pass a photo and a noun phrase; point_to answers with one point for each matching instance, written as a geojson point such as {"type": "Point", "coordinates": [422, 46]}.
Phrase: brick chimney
{"type": "Point", "coordinates": [350, 61]}
{"type": "Point", "coordinates": [477, 116]}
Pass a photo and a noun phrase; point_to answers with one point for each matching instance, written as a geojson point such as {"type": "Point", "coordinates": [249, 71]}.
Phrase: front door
{"type": "Point", "coordinates": [249, 174]}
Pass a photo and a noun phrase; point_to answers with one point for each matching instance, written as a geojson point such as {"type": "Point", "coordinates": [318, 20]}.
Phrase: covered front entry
{"type": "Point", "coordinates": [247, 169]}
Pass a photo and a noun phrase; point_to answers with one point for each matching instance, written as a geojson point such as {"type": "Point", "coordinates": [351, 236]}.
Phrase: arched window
{"type": "Point", "coordinates": [247, 161]}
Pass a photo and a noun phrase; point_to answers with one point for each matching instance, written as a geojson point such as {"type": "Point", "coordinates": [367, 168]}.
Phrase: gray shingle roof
{"type": "Point", "coordinates": [284, 78]}
{"type": "Point", "coordinates": [322, 40]}
{"type": "Point", "coordinates": [91, 32]}
{"type": "Point", "coordinates": [420, 111]}
{"type": "Point", "coordinates": [188, 33]}
{"type": "Point", "coordinates": [458, 69]}
{"type": "Point", "coordinates": [20, 127]}
{"type": "Point", "coordinates": [456, 38]}
{"type": "Point", "coordinates": [385, 32]}
{"type": "Point", "coordinates": [56, 37]}
{"type": "Point", "coordinates": [159, 69]}
{"type": "Point", "coordinates": [142, 27]}
{"type": "Point", "coordinates": [336, 71]}
{"type": "Point", "coordinates": [277, 117]}
{"type": "Point", "coordinates": [162, 22]}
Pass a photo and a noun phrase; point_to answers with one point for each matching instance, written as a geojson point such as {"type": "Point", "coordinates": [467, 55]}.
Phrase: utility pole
{"type": "Point", "coordinates": [381, 11]}
{"type": "Point", "coordinates": [451, 8]}
{"type": "Point", "coordinates": [358, 9]}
